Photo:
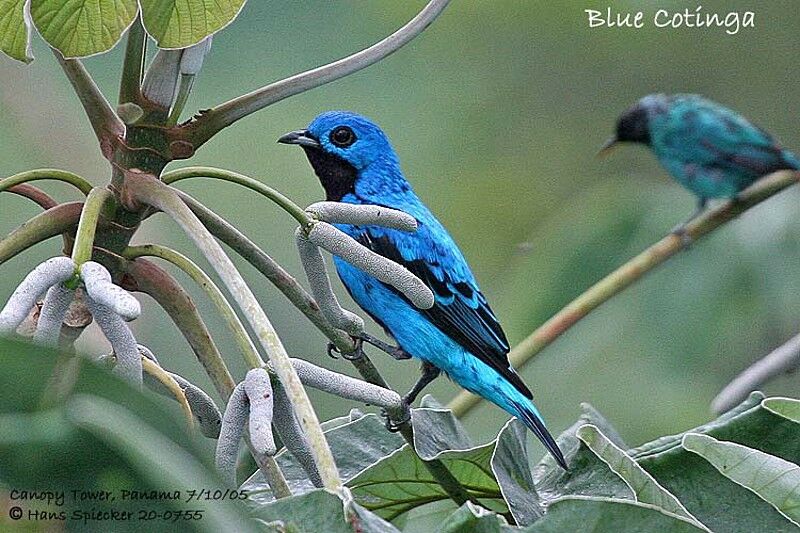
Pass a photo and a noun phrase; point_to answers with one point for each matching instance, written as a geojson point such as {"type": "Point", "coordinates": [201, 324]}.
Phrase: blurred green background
{"type": "Point", "coordinates": [496, 113]}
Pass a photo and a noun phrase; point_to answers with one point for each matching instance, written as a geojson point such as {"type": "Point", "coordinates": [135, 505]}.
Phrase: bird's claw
{"type": "Point", "coordinates": [357, 353]}
{"type": "Point", "coordinates": [332, 350]}
{"type": "Point", "coordinates": [681, 232]}
{"type": "Point", "coordinates": [393, 426]}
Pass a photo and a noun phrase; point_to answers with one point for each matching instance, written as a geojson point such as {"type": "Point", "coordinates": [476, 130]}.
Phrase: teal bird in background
{"type": "Point", "coordinates": [459, 335]}
{"type": "Point", "coordinates": [709, 149]}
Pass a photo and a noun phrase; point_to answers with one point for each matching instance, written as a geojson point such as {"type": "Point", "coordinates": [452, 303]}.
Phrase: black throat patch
{"type": "Point", "coordinates": [338, 177]}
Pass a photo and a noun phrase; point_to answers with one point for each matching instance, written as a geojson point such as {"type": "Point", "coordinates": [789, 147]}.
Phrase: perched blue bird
{"type": "Point", "coordinates": [709, 149]}
{"type": "Point", "coordinates": [460, 334]}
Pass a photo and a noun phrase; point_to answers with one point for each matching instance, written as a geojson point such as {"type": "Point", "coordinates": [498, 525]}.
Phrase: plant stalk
{"type": "Point", "coordinates": [155, 193]}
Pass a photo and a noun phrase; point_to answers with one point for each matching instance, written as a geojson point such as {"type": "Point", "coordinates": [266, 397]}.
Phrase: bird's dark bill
{"type": "Point", "coordinates": [299, 137]}
{"type": "Point", "coordinates": [608, 147]}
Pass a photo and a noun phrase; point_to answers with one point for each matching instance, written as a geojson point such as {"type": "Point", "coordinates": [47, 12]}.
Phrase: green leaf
{"type": "Point", "coordinates": [401, 482]}
{"type": "Point", "coordinates": [512, 471]}
{"type": "Point", "coordinates": [104, 436]}
{"type": "Point", "coordinates": [355, 444]}
{"type": "Point", "coordinates": [645, 488]}
{"type": "Point", "coordinates": [318, 511]}
{"type": "Point", "coordinates": [587, 475]}
{"type": "Point", "coordinates": [182, 23]}
{"type": "Point", "coordinates": [575, 513]}
{"type": "Point", "coordinates": [788, 408]}
{"type": "Point", "coordinates": [80, 28]}
{"type": "Point", "coordinates": [716, 501]}
{"type": "Point", "coordinates": [773, 479]}
{"type": "Point", "coordinates": [15, 30]}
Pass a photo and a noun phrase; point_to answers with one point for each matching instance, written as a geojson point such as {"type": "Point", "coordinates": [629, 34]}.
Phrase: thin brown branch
{"type": "Point", "coordinates": [632, 271]}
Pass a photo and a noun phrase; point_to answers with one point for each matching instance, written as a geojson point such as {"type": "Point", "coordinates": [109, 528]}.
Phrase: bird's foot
{"type": "Point", "coordinates": [393, 426]}
{"type": "Point", "coordinates": [357, 353]}
{"type": "Point", "coordinates": [395, 351]}
{"type": "Point", "coordinates": [681, 232]}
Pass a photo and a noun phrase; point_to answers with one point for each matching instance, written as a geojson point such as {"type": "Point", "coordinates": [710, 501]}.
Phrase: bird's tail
{"type": "Point", "coordinates": [528, 414]}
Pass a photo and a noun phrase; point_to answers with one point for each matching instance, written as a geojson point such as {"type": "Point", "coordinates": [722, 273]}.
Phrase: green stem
{"type": "Point", "coordinates": [226, 175]}
{"type": "Point", "coordinates": [249, 351]}
{"type": "Point", "coordinates": [133, 65]}
{"type": "Point", "coordinates": [150, 191]}
{"type": "Point", "coordinates": [629, 273]}
{"type": "Point", "coordinates": [78, 182]}
{"type": "Point", "coordinates": [50, 223]}
{"type": "Point", "coordinates": [84, 238]}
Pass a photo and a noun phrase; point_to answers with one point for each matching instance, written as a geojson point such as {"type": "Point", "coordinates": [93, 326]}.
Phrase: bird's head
{"type": "Point", "coordinates": [340, 145]}
{"type": "Point", "coordinates": [634, 124]}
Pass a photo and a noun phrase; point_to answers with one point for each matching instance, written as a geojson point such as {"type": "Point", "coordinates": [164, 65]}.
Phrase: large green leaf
{"type": "Point", "coordinates": [716, 501]}
{"type": "Point", "coordinates": [320, 511]}
{"type": "Point", "coordinates": [79, 28]}
{"type": "Point", "coordinates": [182, 23]}
{"type": "Point", "coordinates": [645, 488]}
{"type": "Point", "coordinates": [773, 479]}
{"type": "Point", "coordinates": [401, 482]}
{"type": "Point", "coordinates": [588, 475]}
{"type": "Point", "coordinates": [511, 469]}
{"type": "Point", "coordinates": [103, 436]}
{"type": "Point", "coordinates": [15, 30]}
{"type": "Point", "coordinates": [788, 408]}
{"type": "Point", "coordinates": [576, 513]}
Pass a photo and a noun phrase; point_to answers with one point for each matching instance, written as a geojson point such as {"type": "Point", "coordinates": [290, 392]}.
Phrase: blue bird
{"type": "Point", "coordinates": [709, 149]}
{"type": "Point", "coordinates": [460, 334]}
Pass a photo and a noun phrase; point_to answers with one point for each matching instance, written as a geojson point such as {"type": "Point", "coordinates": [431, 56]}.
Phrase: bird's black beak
{"type": "Point", "coordinates": [608, 147]}
{"type": "Point", "coordinates": [301, 137]}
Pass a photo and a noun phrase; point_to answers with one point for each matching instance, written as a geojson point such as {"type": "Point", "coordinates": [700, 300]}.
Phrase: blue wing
{"type": "Point", "coordinates": [705, 133]}
{"type": "Point", "coordinates": [460, 309]}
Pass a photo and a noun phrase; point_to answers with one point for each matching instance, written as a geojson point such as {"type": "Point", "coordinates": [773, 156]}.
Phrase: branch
{"type": "Point", "coordinates": [149, 278]}
{"type": "Point", "coordinates": [59, 219]}
{"type": "Point", "coordinates": [35, 194]}
{"type": "Point", "coordinates": [133, 65]}
{"type": "Point", "coordinates": [226, 175]}
{"type": "Point", "coordinates": [632, 271]}
{"type": "Point", "coordinates": [240, 335]}
{"type": "Point", "coordinates": [149, 191]}
{"type": "Point", "coordinates": [211, 122]}
{"type": "Point", "coordinates": [84, 238]}
{"type": "Point", "coordinates": [79, 182]}
{"type": "Point", "coordinates": [106, 124]}
{"type": "Point", "coordinates": [231, 236]}
{"type": "Point", "coordinates": [782, 360]}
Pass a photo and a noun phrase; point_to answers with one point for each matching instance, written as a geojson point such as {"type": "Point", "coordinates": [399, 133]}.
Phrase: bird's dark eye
{"type": "Point", "coordinates": [343, 136]}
